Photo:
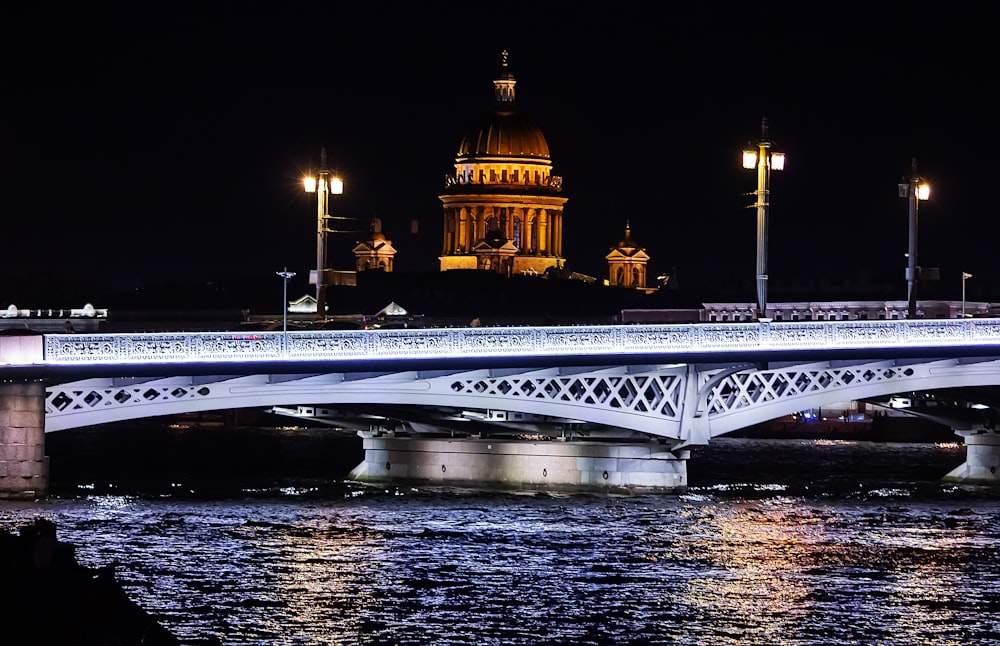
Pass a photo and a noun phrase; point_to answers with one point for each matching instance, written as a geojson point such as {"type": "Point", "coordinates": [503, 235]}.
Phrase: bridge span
{"type": "Point", "coordinates": [579, 406]}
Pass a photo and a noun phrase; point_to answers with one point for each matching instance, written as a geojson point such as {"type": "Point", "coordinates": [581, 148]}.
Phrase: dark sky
{"type": "Point", "coordinates": [160, 142]}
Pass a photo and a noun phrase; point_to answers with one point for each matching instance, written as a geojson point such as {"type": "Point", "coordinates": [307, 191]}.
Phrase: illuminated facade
{"type": "Point", "coordinates": [627, 263]}
{"type": "Point", "coordinates": [375, 252]}
{"type": "Point", "coordinates": [502, 206]}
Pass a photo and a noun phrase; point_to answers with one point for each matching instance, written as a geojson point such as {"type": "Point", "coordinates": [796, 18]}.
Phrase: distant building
{"type": "Point", "coordinates": [303, 305]}
{"type": "Point", "coordinates": [376, 252]}
{"type": "Point", "coordinates": [627, 263]}
{"type": "Point", "coordinates": [85, 319]}
{"type": "Point", "coordinates": [502, 208]}
{"type": "Point", "coordinates": [812, 311]}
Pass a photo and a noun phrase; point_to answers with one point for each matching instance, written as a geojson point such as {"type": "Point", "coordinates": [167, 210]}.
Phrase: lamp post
{"type": "Point", "coordinates": [965, 276]}
{"type": "Point", "coordinates": [914, 191]}
{"type": "Point", "coordinates": [763, 160]}
{"type": "Point", "coordinates": [322, 184]}
{"type": "Point", "coordinates": [285, 275]}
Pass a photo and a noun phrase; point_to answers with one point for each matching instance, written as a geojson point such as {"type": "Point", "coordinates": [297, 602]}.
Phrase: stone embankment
{"type": "Point", "coordinates": [46, 597]}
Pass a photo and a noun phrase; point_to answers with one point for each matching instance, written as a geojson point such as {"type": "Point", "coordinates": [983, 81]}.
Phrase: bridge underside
{"type": "Point", "coordinates": [584, 426]}
{"type": "Point", "coordinates": [974, 414]}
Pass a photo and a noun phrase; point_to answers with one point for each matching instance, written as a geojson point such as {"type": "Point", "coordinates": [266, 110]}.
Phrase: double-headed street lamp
{"type": "Point", "coordinates": [323, 184]}
{"type": "Point", "coordinates": [763, 160]}
{"type": "Point", "coordinates": [915, 190]}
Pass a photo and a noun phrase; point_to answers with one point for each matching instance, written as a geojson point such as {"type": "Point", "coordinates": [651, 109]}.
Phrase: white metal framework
{"type": "Point", "coordinates": [683, 383]}
{"type": "Point", "coordinates": [686, 404]}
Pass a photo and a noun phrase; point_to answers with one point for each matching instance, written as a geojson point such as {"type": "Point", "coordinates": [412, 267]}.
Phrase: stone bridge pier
{"type": "Point", "coordinates": [982, 458]}
{"type": "Point", "coordinates": [520, 464]}
{"type": "Point", "coordinates": [24, 469]}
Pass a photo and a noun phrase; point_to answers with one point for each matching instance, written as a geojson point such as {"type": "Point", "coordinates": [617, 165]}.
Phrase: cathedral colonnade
{"type": "Point", "coordinates": [533, 231]}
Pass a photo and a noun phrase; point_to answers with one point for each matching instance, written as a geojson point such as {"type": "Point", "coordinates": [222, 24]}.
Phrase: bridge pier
{"type": "Point", "coordinates": [24, 469]}
{"type": "Point", "coordinates": [982, 459]}
{"type": "Point", "coordinates": [521, 464]}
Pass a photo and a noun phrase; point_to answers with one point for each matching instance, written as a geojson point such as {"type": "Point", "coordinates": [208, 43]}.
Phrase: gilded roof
{"type": "Point", "coordinates": [505, 134]}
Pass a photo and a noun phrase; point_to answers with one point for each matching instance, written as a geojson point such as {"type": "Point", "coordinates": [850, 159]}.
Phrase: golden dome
{"type": "Point", "coordinates": [627, 243]}
{"type": "Point", "coordinates": [507, 134]}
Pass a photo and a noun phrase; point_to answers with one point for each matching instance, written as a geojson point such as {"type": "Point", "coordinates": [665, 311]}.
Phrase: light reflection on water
{"type": "Point", "coordinates": [760, 553]}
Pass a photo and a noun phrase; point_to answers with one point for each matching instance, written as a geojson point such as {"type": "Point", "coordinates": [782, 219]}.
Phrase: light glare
{"type": "Point", "coordinates": [310, 184]}
{"type": "Point", "coordinates": [923, 191]}
{"type": "Point", "coordinates": [749, 159]}
{"type": "Point", "coordinates": [336, 186]}
{"type": "Point", "coordinates": [778, 161]}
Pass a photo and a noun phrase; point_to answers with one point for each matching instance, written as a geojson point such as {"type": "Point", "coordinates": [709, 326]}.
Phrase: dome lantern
{"type": "Point", "coordinates": [506, 132]}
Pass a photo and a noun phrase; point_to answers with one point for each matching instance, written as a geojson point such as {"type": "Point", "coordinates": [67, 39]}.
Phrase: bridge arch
{"type": "Point", "coordinates": [686, 403]}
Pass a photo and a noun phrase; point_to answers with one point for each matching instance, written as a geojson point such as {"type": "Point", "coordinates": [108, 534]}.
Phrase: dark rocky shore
{"type": "Point", "coordinates": [49, 598]}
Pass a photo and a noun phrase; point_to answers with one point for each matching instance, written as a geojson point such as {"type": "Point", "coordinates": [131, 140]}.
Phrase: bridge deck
{"type": "Point", "coordinates": [79, 355]}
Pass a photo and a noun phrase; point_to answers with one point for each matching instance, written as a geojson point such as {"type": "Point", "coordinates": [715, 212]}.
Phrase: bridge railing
{"type": "Point", "coordinates": [676, 341]}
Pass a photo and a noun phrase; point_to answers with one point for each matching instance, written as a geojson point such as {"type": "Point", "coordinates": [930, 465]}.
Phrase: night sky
{"type": "Point", "coordinates": [157, 143]}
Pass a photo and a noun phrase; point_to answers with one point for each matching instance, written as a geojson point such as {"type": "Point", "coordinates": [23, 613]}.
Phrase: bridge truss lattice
{"type": "Point", "coordinates": [684, 403]}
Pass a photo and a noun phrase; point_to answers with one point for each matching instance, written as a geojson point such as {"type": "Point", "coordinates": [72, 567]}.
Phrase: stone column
{"type": "Point", "coordinates": [534, 239]}
{"type": "Point", "coordinates": [543, 232]}
{"type": "Point", "coordinates": [469, 233]}
{"type": "Point", "coordinates": [450, 231]}
{"type": "Point", "coordinates": [24, 469]}
{"type": "Point", "coordinates": [557, 234]}
{"type": "Point", "coordinates": [517, 215]}
{"type": "Point", "coordinates": [471, 228]}
{"type": "Point", "coordinates": [982, 459]}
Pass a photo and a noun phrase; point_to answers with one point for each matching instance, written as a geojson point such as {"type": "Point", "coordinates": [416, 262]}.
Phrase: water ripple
{"type": "Point", "coordinates": [803, 558]}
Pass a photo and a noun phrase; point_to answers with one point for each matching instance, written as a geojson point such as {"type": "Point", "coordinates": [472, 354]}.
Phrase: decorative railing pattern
{"type": "Point", "coordinates": [674, 341]}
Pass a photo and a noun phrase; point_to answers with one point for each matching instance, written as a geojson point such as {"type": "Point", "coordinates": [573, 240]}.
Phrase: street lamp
{"type": "Point", "coordinates": [763, 161]}
{"type": "Point", "coordinates": [965, 276]}
{"type": "Point", "coordinates": [322, 184]}
{"type": "Point", "coordinates": [915, 190]}
{"type": "Point", "coordinates": [285, 275]}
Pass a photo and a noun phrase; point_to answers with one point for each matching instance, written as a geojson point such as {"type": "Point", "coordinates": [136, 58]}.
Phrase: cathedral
{"type": "Point", "coordinates": [503, 206]}
{"type": "Point", "coordinates": [503, 211]}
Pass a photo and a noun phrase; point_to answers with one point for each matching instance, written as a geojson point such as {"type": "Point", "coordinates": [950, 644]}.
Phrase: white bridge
{"type": "Point", "coordinates": [663, 387]}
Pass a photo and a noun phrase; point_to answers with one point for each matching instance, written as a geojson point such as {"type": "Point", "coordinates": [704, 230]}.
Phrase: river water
{"type": "Point", "coordinates": [776, 542]}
